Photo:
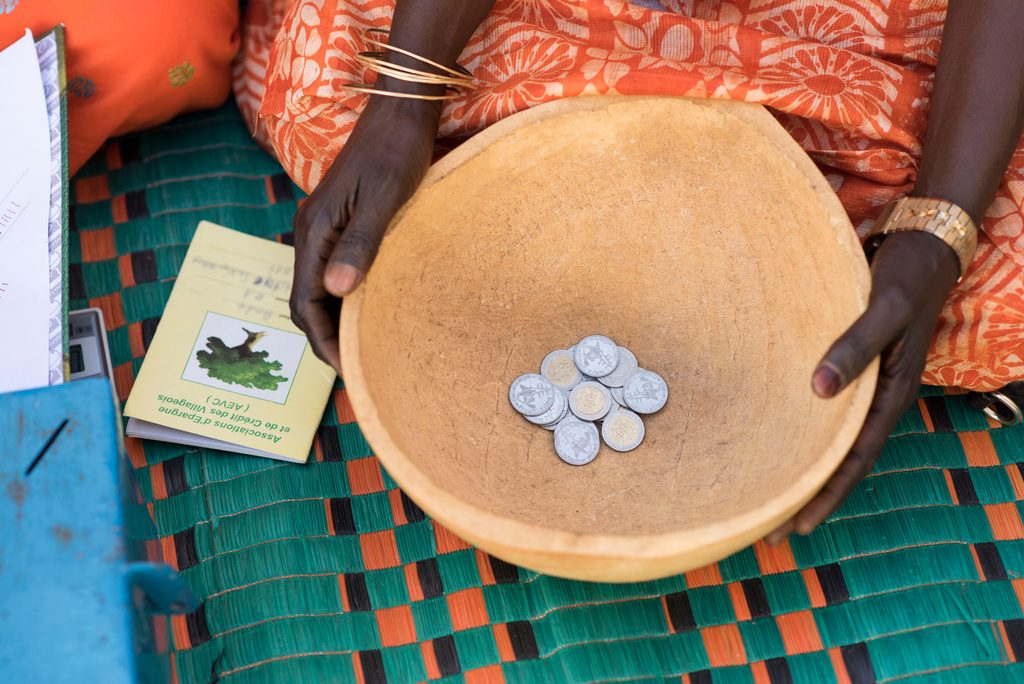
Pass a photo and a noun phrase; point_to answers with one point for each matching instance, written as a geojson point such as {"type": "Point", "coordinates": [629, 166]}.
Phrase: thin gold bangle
{"type": "Point", "coordinates": [370, 90]}
{"type": "Point", "coordinates": [432, 63]}
{"type": "Point", "coordinates": [409, 75]}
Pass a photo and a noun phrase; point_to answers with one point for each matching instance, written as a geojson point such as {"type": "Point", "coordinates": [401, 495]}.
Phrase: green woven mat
{"type": "Point", "coordinates": [326, 572]}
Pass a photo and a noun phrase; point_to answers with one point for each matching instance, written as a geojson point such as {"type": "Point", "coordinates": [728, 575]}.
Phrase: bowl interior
{"type": "Point", "coordinates": [674, 227]}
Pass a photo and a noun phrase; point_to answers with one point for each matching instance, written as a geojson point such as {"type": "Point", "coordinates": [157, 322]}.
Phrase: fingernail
{"type": "Point", "coordinates": [773, 540]}
{"type": "Point", "coordinates": [341, 279]}
{"type": "Point", "coordinates": [826, 381]}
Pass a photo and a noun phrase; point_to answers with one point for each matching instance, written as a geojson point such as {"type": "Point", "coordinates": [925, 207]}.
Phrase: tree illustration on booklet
{"type": "Point", "coordinates": [240, 365]}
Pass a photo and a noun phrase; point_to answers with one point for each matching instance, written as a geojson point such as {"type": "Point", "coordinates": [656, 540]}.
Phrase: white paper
{"type": "Point", "coordinates": [24, 221]}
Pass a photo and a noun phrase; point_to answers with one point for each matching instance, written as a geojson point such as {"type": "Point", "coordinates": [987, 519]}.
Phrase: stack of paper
{"type": "Point", "coordinates": [32, 220]}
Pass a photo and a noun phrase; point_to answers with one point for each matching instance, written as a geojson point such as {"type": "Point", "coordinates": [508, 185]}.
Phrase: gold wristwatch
{"type": "Point", "coordinates": [943, 219]}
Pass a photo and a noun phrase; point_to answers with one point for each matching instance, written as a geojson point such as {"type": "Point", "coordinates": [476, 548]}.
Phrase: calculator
{"type": "Point", "coordinates": [88, 352]}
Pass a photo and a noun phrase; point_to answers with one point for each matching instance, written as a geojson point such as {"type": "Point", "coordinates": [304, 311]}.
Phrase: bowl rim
{"type": "Point", "coordinates": [665, 552]}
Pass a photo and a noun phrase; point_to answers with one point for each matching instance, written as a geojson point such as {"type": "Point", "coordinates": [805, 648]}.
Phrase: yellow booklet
{"type": "Point", "coordinates": [227, 369]}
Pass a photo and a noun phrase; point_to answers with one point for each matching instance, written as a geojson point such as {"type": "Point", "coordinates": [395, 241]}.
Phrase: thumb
{"type": "Point", "coordinates": [354, 251]}
{"type": "Point", "coordinates": [857, 347]}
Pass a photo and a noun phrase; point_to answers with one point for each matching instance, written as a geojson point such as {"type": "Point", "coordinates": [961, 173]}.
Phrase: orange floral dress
{"type": "Point", "coordinates": [849, 79]}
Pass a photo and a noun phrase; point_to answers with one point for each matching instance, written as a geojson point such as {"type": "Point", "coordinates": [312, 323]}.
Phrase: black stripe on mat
{"type": "Point", "coordinates": [1015, 635]}
{"type": "Point", "coordinates": [330, 447]}
{"type": "Point", "coordinates": [344, 523]}
{"type": "Point", "coordinates": [990, 560]}
{"type": "Point", "coordinates": [135, 206]}
{"type": "Point", "coordinates": [198, 630]}
{"type": "Point", "coordinates": [963, 486]}
{"type": "Point", "coordinates": [144, 266]}
{"type": "Point", "coordinates": [504, 573]}
{"type": "Point", "coordinates": [76, 282]}
{"type": "Point", "coordinates": [282, 187]}
{"type": "Point", "coordinates": [447, 656]}
{"type": "Point", "coordinates": [356, 592]}
{"type": "Point", "coordinates": [940, 416]}
{"type": "Point", "coordinates": [129, 148]}
{"type": "Point", "coordinates": [430, 578]}
{"type": "Point", "coordinates": [524, 641]}
{"type": "Point", "coordinates": [858, 663]}
{"type": "Point", "coordinates": [185, 548]}
{"type": "Point", "coordinates": [778, 671]}
{"type": "Point", "coordinates": [757, 600]}
{"type": "Point", "coordinates": [700, 677]}
{"type": "Point", "coordinates": [413, 513]}
{"type": "Point", "coordinates": [373, 667]}
{"type": "Point", "coordinates": [148, 328]}
{"type": "Point", "coordinates": [680, 614]}
{"type": "Point", "coordinates": [833, 585]}
{"type": "Point", "coordinates": [175, 481]}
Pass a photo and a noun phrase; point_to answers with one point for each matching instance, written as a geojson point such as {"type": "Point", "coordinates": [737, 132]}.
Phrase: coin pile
{"type": "Point", "coordinates": [593, 381]}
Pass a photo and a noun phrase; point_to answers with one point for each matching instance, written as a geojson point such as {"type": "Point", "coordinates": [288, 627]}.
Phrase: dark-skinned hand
{"type": "Point", "coordinates": [911, 274]}
{"type": "Point", "coordinates": [338, 229]}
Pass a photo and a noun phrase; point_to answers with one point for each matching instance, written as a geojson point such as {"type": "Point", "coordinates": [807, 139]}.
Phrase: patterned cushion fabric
{"type": "Point", "coordinates": [132, 64]}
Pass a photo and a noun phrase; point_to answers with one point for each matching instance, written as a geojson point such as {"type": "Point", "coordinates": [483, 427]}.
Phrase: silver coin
{"type": "Point", "coordinates": [590, 401]}
{"type": "Point", "coordinates": [616, 393]}
{"type": "Point", "coordinates": [645, 392]}
{"type": "Point", "coordinates": [531, 394]}
{"type": "Point", "coordinates": [623, 430]}
{"type": "Point", "coordinates": [553, 414]}
{"type": "Point", "coordinates": [576, 442]}
{"type": "Point", "coordinates": [560, 368]}
{"type": "Point", "coordinates": [626, 367]}
{"type": "Point", "coordinates": [565, 412]}
{"type": "Point", "coordinates": [596, 356]}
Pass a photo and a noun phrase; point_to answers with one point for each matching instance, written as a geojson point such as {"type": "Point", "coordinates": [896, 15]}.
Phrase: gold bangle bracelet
{"type": "Point", "coordinates": [413, 55]}
{"type": "Point", "coordinates": [399, 72]}
{"type": "Point", "coordinates": [370, 90]}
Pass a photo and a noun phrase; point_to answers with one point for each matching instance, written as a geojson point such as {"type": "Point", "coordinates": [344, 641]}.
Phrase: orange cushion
{"type": "Point", "coordinates": [131, 64]}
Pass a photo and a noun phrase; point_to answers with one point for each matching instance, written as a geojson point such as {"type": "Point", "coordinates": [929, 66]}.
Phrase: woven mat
{"type": "Point", "coordinates": [327, 572]}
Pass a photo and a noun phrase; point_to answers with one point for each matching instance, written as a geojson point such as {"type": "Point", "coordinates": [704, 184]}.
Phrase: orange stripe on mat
{"type": "Point", "coordinates": [357, 669]}
{"type": "Point", "coordinates": [124, 269]}
{"type": "Point", "coordinates": [380, 550]}
{"type": "Point", "coordinates": [504, 643]}
{"type": "Point", "coordinates": [446, 541]}
{"type": "Point", "coordinates": [774, 559]}
{"type": "Point", "coordinates": [739, 601]}
{"type": "Point", "coordinates": [483, 565]}
{"type": "Point", "coordinates": [179, 628]}
{"type": "Point", "coordinates": [97, 245]}
{"type": "Point", "coordinates": [979, 449]}
{"type": "Point", "coordinates": [136, 453]}
{"type": "Point", "coordinates": [951, 487]}
{"type": "Point", "coordinates": [799, 632]}
{"type": "Point", "coordinates": [839, 666]}
{"type": "Point", "coordinates": [364, 476]}
{"type": "Point", "coordinates": [1005, 521]}
{"type": "Point", "coordinates": [707, 576]}
{"type": "Point", "coordinates": [343, 593]}
{"type": "Point", "coordinates": [396, 625]}
{"type": "Point", "coordinates": [397, 509]}
{"type": "Point", "coordinates": [814, 591]}
{"type": "Point", "coordinates": [760, 673]}
{"type": "Point", "coordinates": [412, 582]}
{"type": "Point", "coordinates": [724, 645]}
{"type": "Point", "coordinates": [1018, 589]}
{"type": "Point", "coordinates": [156, 479]}
{"type": "Point", "coordinates": [430, 660]}
{"type": "Point", "coordinates": [977, 562]}
{"type": "Point", "coordinates": [330, 518]}
{"type": "Point", "coordinates": [1013, 472]}
{"type": "Point", "coordinates": [343, 408]}
{"type": "Point", "coordinates": [467, 609]}
{"type": "Point", "coordinates": [492, 674]}
{"type": "Point", "coordinates": [925, 416]}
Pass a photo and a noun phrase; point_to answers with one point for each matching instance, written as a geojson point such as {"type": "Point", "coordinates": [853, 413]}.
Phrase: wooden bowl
{"type": "Point", "coordinates": [696, 233]}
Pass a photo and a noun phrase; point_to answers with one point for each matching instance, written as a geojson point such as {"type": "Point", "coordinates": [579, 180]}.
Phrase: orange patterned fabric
{"type": "Point", "coordinates": [850, 81]}
{"type": "Point", "coordinates": [132, 65]}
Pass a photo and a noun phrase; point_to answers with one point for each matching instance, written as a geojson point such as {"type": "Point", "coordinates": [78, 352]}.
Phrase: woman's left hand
{"type": "Point", "coordinates": [912, 273]}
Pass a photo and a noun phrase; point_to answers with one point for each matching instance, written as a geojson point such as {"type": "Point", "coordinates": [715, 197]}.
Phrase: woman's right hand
{"type": "Point", "coordinates": [338, 229]}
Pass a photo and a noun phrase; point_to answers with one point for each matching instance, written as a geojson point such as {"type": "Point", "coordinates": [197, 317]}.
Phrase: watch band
{"type": "Point", "coordinates": [943, 219]}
